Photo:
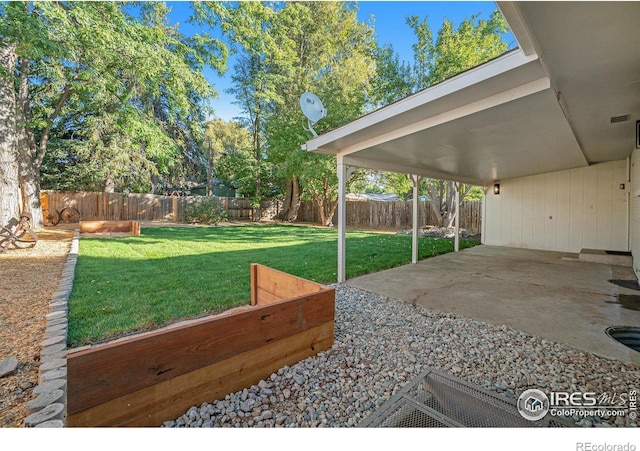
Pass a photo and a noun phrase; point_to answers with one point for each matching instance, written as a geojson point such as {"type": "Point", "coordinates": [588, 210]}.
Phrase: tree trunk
{"type": "Point", "coordinates": [320, 204]}
{"type": "Point", "coordinates": [292, 201]}
{"type": "Point", "coordinates": [434, 198]}
{"type": "Point", "coordinates": [28, 163]}
{"type": "Point", "coordinates": [257, 214]}
{"type": "Point", "coordinates": [210, 171]}
{"type": "Point", "coordinates": [155, 184]}
{"type": "Point", "coordinates": [326, 205]}
{"type": "Point", "coordinates": [333, 209]}
{"type": "Point", "coordinates": [451, 212]}
{"type": "Point", "coordinates": [109, 184]}
{"type": "Point", "coordinates": [9, 188]}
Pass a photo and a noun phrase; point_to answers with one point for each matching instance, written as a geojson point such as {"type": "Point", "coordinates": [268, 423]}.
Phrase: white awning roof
{"type": "Point", "coordinates": [544, 107]}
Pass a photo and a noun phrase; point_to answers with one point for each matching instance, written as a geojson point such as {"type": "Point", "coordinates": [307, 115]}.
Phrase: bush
{"type": "Point", "coordinates": [204, 210]}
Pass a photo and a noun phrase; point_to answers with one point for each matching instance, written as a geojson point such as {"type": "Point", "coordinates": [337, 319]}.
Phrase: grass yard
{"type": "Point", "coordinates": [129, 284]}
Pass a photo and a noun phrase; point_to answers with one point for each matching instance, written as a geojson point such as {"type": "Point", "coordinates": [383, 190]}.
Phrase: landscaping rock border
{"type": "Point", "coordinates": [437, 232]}
{"type": "Point", "coordinates": [48, 409]}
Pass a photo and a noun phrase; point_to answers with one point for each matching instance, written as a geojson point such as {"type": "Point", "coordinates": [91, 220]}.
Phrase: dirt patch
{"type": "Point", "coordinates": [29, 277]}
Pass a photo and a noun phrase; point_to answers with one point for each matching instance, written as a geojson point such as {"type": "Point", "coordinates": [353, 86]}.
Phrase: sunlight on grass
{"type": "Point", "coordinates": [133, 283]}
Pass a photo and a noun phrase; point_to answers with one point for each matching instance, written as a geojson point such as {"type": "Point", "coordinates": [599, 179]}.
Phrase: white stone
{"type": "Point", "coordinates": [8, 366]}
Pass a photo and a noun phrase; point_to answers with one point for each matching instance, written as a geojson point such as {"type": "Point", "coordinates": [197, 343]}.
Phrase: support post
{"type": "Point", "coordinates": [342, 218]}
{"type": "Point", "coordinates": [456, 241]}
{"type": "Point", "coordinates": [415, 181]}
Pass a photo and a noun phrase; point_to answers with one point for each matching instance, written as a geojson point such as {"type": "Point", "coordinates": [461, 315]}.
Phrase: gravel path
{"type": "Point", "coordinates": [381, 344]}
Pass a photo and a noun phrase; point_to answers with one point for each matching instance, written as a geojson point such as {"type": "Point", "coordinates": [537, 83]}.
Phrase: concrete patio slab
{"type": "Point", "coordinates": [548, 294]}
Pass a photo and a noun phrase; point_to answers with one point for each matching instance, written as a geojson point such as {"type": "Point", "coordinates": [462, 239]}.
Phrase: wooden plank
{"type": "Point", "coordinates": [266, 297]}
{"type": "Point", "coordinates": [111, 370]}
{"type": "Point", "coordinates": [282, 285]}
{"type": "Point", "coordinates": [44, 200]}
{"type": "Point", "coordinates": [110, 226]}
{"type": "Point", "coordinates": [167, 400]}
{"type": "Point", "coordinates": [254, 284]}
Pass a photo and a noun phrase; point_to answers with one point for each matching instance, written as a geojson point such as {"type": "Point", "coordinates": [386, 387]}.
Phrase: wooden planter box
{"type": "Point", "coordinates": [149, 378]}
{"type": "Point", "coordinates": [111, 227]}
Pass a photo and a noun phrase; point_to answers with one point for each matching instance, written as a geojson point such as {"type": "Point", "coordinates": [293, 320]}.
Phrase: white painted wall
{"type": "Point", "coordinates": [635, 211]}
{"type": "Point", "coordinates": [561, 211]}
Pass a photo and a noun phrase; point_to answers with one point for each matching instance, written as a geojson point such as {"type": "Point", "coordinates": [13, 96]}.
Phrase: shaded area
{"type": "Point", "coordinates": [629, 301]}
{"type": "Point", "coordinates": [630, 284]}
{"type": "Point", "coordinates": [538, 292]}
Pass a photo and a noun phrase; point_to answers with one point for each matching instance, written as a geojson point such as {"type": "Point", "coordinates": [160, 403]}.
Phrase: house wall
{"type": "Point", "coordinates": [562, 211]}
{"type": "Point", "coordinates": [635, 211]}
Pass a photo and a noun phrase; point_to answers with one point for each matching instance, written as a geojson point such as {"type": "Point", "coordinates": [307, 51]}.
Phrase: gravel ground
{"type": "Point", "coordinates": [381, 344]}
{"type": "Point", "coordinates": [28, 279]}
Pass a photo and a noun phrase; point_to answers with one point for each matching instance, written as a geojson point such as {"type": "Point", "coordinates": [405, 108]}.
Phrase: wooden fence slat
{"type": "Point", "coordinates": [394, 215]}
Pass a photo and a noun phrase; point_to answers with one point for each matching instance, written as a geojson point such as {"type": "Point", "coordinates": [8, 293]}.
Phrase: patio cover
{"type": "Point", "coordinates": [553, 103]}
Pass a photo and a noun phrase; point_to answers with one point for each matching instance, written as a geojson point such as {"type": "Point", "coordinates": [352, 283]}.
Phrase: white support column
{"type": "Point", "coordinates": [342, 218]}
{"type": "Point", "coordinates": [457, 220]}
{"type": "Point", "coordinates": [415, 181]}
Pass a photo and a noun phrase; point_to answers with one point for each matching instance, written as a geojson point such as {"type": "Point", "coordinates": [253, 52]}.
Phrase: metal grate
{"type": "Point", "coordinates": [436, 399]}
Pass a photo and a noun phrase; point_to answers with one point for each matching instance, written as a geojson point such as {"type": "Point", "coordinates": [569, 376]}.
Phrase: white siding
{"type": "Point", "coordinates": [635, 211]}
{"type": "Point", "coordinates": [564, 211]}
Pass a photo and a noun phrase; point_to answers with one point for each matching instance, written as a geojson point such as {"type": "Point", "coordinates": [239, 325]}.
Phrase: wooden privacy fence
{"type": "Point", "coordinates": [152, 207]}
{"type": "Point", "coordinates": [148, 207]}
{"type": "Point", "coordinates": [396, 215]}
{"type": "Point", "coordinates": [152, 377]}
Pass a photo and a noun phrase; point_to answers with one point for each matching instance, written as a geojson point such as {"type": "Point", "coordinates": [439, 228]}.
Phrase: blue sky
{"type": "Point", "coordinates": [389, 22]}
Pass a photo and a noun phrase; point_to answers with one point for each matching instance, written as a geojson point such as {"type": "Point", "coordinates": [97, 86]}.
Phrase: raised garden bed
{"type": "Point", "coordinates": [110, 227]}
{"type": "Point", "coordinates": [149, 378]}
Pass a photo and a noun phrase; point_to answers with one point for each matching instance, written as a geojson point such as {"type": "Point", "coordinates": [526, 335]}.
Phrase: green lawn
{"type": "Point", "coordinates": [129, 284]}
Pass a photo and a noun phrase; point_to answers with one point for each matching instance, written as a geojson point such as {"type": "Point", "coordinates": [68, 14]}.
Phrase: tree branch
{"type": "Point", "coordinates": [42, 148]}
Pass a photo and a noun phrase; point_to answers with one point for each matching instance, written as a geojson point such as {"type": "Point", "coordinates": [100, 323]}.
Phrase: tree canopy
{"type": "Point", "coordinates": [109, 96]}
{"type": "Point", "coordinates": [121, 93]}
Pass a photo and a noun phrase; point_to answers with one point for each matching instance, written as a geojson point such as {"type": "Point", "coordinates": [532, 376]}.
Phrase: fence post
{"type": "Point", "coordinates": [174, 206]}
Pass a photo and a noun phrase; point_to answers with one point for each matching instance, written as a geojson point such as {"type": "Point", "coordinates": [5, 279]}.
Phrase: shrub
{"type": "Point", "coordinates": [204, 210]}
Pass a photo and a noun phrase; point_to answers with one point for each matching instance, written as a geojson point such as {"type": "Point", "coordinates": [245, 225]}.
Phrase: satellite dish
{"type": "Point", "coordinates": [312, 108]}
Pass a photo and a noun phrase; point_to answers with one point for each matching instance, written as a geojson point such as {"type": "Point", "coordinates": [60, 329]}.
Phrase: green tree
{"type": "Point", "coordinates": [424, 53]}
{"type": "Point", "coordinates": [393, 79]}
{"type": "Point", "coordinates": [229, 155]}
{"type": "Point", "coordinates": [399, 184]}
{"type": "Point", "coordinates": [474, 42]}
{"type": "Point", "coordinates": [254, 29]}
{"type": "Point", "coordinates": [22, 37]}
{"type": "Point", "coordinates": [330, 53]}
{"type": "Point", "coordinates": [127, 87]}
